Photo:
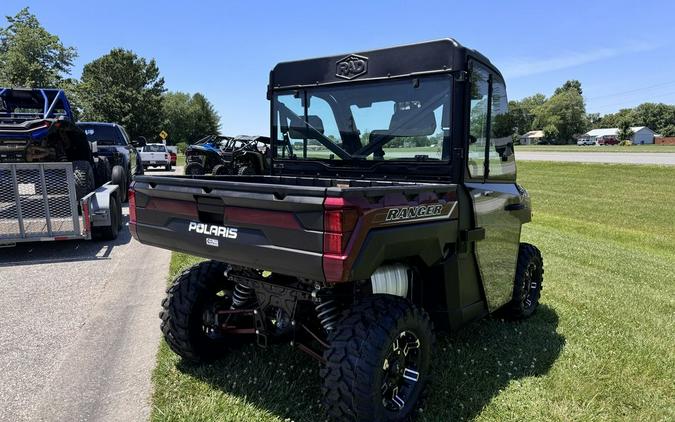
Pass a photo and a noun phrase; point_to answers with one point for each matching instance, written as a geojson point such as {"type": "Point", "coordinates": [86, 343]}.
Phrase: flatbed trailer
{"type": "Point", "coordinates": [38, 203]}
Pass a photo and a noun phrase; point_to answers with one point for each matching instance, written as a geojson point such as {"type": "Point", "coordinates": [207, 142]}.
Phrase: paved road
{"type": "Point", "coordinates": [79, 329]}
{"type": "Point", "coordinates": [663, 158]}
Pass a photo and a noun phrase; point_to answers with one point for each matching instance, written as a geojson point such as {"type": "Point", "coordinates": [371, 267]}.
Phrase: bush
{"type": "Point", "coordinates": [625, 143]}
{"type": "Point", "coordinates": [182, 146]}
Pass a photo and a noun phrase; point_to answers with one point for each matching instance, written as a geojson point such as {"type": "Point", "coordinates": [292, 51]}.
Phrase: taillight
{"type": "Point", "coordinates": [339, 220]}
{"type": "Point", "coordinates": [86, 219]}
{"type": "Point", "coordinates": [132, 205]}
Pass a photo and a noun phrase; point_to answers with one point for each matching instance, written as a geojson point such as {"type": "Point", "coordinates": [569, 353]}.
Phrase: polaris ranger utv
{"type": "Point", "coordinates": [391, 207]}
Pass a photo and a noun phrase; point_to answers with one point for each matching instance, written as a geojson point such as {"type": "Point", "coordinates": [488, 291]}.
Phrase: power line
{"type": "Point", "coordinates": [632, 90]}
{"type": "Point", "coordinates": [617, 104]}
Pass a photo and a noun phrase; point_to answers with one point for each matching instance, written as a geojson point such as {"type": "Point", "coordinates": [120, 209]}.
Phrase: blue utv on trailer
{"type": "Point", "coordinates": [53, 185]}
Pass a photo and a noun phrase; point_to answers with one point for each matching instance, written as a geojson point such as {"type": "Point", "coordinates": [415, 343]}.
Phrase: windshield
{"type": "Point", "coordinates": [404, 119]}
{"type": "Point", "coordinates": [102, 134]}
{"type": "Point", "coordinates": [154, 148]}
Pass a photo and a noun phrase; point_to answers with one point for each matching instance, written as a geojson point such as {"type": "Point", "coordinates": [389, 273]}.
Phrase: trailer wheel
{"type": "Point", "coordinates": [84, 178]}
{"type": "Point", "coordinates": [110, 232]}
{"type": "Point", "coordinates": [527, 284]}
{"type": "Point", "coordinates": [194, 168]}
{"type": "Point", "coordinates": [378, 362]}
{"type": "Point", "coordinates": [188, 309]}
{"type": "Point", "coordinates": [119, 178]}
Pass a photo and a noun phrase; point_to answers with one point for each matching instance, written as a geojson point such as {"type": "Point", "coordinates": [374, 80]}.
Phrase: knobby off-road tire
{"type": "Point", "coordinates": [527, 284]}
{"type": "Point", "coordinates": [220, 170]}
{"type": "Point", "coordinates": [194, 168]}
{"type": "Point", "coordinates": [119, 178]}
{"type": "Point", "coordinates": [246, 171]}
{"type": "Point", "coordinates": [193, 292]}
{"type": "Point", "coordinates": [363, 356]}
{"type": "Point", "coordinates": [84, 178]}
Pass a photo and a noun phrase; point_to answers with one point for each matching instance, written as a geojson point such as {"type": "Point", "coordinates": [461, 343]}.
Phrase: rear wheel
{"type": "Point", "coordinates": [119, 178]}
{"type": "Point", "coordinates": [102, 171]}
{"type": "Point", "coordinates": [84, 178]}
{"type": "Point", "coordinates": [378, 362]}
{"type": "Point", "coordinates": [220, 170]}
{"type": "Point", "coordinates": [194, 168]}
{"type": "Point", "coordinates": [527, 284]}
{"type": "Point", "coordinates": [167, 167]}
{"type": "Point", "coordinates": [189, 308]}
{"type": "Point", "coordinates": [246, 171]}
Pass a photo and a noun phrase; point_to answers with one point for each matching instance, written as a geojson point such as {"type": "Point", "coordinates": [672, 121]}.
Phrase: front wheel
{"type": "Point", "coordinates": [195, 169]}
{"type": "Point", "coordinates": [527, 284]}
{"type": "Point", "coordinates": [378, 362]}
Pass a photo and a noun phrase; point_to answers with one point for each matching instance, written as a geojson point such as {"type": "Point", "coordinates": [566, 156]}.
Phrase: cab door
{"type": "Point", "coordinates": [498, 204]}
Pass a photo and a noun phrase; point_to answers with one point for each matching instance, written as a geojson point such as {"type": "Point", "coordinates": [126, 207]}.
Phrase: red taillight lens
{"type": "Point", "coordinates": [86, 217]}
{"type": "Point", "coordinates": [132, 206]}
{"type": "Point", "coordinates": [339, 220]}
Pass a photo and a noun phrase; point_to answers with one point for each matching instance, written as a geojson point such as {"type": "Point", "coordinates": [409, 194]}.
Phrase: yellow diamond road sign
{"type": "Point", "coordinates": [163, 134]}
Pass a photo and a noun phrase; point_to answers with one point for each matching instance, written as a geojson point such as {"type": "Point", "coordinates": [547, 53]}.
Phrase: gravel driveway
{"type": "Point", "coordinates": [79, 329]}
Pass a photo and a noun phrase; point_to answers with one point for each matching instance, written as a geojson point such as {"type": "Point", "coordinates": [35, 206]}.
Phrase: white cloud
{"type": "Point", "coordinates": [526, 66]}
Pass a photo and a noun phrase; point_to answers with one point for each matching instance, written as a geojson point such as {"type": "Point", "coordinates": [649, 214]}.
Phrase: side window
{"type": "Point", "coordinates": [502, 159]}
{"type": "Point", "coordinates": [478, 120]}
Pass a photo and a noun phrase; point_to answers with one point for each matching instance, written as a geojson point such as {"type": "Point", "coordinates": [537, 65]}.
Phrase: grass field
{"type": "Point", "coordinates": [601, 346]}
{"type": "Point", "coordinates": [597, 148]}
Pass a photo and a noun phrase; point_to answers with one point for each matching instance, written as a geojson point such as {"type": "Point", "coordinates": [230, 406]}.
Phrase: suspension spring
{"type": "Point", "coordinates": [242, 296]}
{"type": "Point", "coordinates": [328, 314]}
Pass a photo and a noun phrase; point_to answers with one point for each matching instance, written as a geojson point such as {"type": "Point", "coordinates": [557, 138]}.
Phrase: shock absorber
{"type": "Point", "coordinates": [242, 296]}
{"type": "Point", "coordinates": [328, 314]}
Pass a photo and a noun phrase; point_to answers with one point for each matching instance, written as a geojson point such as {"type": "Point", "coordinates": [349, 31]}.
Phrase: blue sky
{"type": "Point", "coordinates": [623, 52]}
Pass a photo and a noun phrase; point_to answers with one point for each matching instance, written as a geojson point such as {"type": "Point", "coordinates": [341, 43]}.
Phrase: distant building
{"type": "Point", "coordinates": [665, 140]}
{"type": "Point", "coordinates": [531, 137]}
{"type": "Point", "coordinates": [641, 134]}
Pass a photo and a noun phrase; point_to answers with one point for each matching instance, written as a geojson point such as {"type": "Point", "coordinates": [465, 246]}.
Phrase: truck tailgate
{"type": "Point", "coordinates": [255, 225]}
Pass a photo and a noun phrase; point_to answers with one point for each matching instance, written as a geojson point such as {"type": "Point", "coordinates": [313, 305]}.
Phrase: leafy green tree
{"type": "Point", "coordinates": [188, 118]}
{"type": "Point", "coordinates": [570, 85]}
{"type": "Point", "coordinates": [566, 111]}
{"type": "Point", "coordinates": [551, 132]}
{"type": "Point", "coordinates": [30, 56]}
{"type": "Point", "coordinates": [124, 88]}
{"type": "Point", "coordinates": [668, 130]}
{"type": "Point", "coordinates": [523, 112]}
{"type": "Point", "coordinates": [654, 116]}
{"type": "Point", "coordinates": [625, 132]}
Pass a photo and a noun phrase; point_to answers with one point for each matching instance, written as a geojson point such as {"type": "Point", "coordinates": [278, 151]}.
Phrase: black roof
{"type": "Point", "coordinates": [438, 56]}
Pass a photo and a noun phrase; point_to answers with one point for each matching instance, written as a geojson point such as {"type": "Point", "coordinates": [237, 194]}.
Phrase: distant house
{"type": "Point", "coordinates": [641, 134]}
{"type": "Point", "coordinates": [531, 137]}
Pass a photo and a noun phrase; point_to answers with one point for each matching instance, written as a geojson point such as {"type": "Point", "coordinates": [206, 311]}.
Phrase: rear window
{"type": "Point", "coordinates": [102, 135]}
{"type": "Point", "coordinates": [154, 148]}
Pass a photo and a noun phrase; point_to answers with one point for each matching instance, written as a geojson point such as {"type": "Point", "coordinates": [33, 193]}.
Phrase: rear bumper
{"type": "Point", "coordinates": [246, 250]}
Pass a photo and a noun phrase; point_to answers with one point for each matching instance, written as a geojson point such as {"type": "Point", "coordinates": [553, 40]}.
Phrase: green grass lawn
{"type": "Point", "coordinates": [180, 159]}
{"type": "Point", "coordinates": [597, 148]}
{"type": "Point", "coordinates": [601, 346]}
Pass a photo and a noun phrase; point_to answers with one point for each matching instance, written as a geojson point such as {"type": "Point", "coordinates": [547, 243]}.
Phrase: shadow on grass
{"type": "Point", "coordinates": [471, 367]}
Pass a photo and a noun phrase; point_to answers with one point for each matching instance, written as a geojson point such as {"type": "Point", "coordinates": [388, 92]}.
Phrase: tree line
{"type": "Point", "coordinates": [563, 115]}
{"type": "Point", "coordinates": [118, 87]}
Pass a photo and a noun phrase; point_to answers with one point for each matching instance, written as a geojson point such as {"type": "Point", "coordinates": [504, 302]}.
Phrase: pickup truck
{"type": "Point", "coordinates": [390, 207]}
{"type": "Point", "coordinates": [154, 155]}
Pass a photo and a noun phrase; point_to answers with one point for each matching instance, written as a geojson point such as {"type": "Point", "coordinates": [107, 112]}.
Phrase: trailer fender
{"type": "Point", "coordinates": [99, 204]}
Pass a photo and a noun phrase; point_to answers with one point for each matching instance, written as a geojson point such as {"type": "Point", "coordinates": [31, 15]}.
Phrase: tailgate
{"type": "Point", "coordinates": [271, 227]}
{"type": "Point", "coordinates": [37, 202]}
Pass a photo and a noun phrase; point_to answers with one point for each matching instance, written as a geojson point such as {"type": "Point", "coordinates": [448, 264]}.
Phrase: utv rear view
{"type": "Point", "coordinates": [390, 209]}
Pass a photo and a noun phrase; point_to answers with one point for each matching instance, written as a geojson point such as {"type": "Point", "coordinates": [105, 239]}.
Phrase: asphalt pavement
{"type": "Point", "coordinates": [79, 329]}
{"type": "Point", "coordinates": [662, 158]}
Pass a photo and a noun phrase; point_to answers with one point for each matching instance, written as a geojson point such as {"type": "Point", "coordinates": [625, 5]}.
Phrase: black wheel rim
{"type": "Point", "coordinates": [530, 287]}
{"type": "Point", "coordinates": [400, 370]}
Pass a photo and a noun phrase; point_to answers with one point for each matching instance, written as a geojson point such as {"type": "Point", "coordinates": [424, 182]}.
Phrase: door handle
{"type": "Point", "coordinates": [514, 207]}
